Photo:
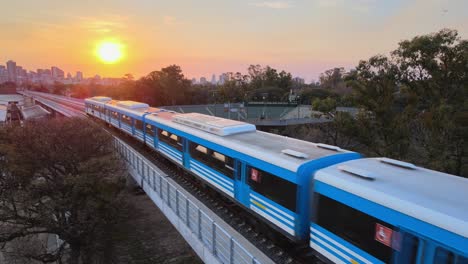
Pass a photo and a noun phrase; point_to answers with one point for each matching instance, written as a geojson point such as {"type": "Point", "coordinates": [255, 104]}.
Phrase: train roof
{"type": "Point", "coordinates": [433, 197]}
{"type": "Point", "coordinates": [285, 152]}
{"type": "Point", "coordinates": [136, 108]}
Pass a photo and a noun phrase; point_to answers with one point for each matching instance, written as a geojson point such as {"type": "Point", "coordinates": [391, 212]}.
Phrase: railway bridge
{"type": "Point", "coordinates": [211, 237]}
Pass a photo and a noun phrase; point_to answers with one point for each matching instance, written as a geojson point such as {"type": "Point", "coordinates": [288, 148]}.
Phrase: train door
{"type": "Point", "coordinates": [241, 188]}
{"type": "Point", "coordinates": [407, 248]}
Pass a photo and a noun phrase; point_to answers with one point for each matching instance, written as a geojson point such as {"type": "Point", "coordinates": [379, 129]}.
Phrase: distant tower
{"type": "Point", "coordinates": [11, 69]}
{"type": "Point", "coordinates": [213, 79]}
{"type": "Point", "coordinates": [223, 78]}
{"type": "Point", "coordinates": [57, 73]}
{"type": "Point", "coordinates": [203, 80]}
{"type": "Point", "coordinates": [79, 76]}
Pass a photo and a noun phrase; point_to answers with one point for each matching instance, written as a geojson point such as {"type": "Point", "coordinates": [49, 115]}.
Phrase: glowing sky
{"type": "Point", "coordinates": [214, 36]}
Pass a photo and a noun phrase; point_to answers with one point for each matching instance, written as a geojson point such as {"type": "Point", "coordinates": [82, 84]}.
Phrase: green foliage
{"type": "Point", "coordinates": [325, 105]}
{"type": "Point", "coordinates": [414, 103]}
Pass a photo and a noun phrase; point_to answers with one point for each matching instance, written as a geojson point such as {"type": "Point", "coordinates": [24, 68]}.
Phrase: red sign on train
{"type": "Point", "coordinates": [383, 234]}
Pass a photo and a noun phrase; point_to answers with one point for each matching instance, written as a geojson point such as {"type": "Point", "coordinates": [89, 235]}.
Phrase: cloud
{"type": "Point", "coordinates": [106, 25]}
{"type": "Point", "coordinates": [272, 4]}
{"type": "Point", "coordinates": [360, 6]}
{"type": "Point", "coordinates": [170, 20]}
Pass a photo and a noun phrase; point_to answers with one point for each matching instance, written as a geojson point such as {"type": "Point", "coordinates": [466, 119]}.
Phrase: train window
{"type": "Point", "coordinates": [443, 256]}
{"type": "Point", "coordinates": [217, 161]}
{"type": "Point", "coordinates": [356, 227]}
{"type": "Point", "coordinates": [150, 130]}
{"type": "Point", "coordinates": [139, 124]}
{"type": "Point", "coordinates": [170, 139]}
{"type": "Point", "coordinates": [273, 187]}
{"type": "Point", "coordinates": [127, 120]}
{"type": "Point", "coordinates": [202, 149]}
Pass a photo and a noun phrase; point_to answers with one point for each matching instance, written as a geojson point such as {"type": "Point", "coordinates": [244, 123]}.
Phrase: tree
{"type": "Point", "coordinates": [414, 102]}
{"type": "Point", "coordinates": [167, 86]}
{"type": "Point", "coordinates": [382, 126]}
{"type": "Point", "coordinates": [433, 71]}
{"type": "Point", "coordinates": [59, 88]}
{"type": "Point", "coordinates": [60, 178]}
{"type": "Point", "coordinates": [325, 105]}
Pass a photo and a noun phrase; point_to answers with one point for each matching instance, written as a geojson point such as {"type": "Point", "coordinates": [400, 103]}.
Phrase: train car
{"type": "Point", "coordinates": [269, 175]}
{"type": "Point", "coordinates": [95, 106]}
{"type": "Point", "coordinates": [130, 116]}
{"type": "Point", "coordinates": [379, 210]}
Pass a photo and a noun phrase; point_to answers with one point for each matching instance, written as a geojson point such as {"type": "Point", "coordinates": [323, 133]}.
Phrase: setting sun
{"type": "Point", "coordinates": [109, 52]}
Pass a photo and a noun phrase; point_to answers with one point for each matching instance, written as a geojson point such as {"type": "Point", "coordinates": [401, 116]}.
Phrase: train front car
{"type": "Point", "coordinates": [269, 175]}
{"type": "Point", "coordinates": [94, 106]}
{"type": "Point", "coordinates": [129, 116]}
{"type": "Point", "coordinates": [380, 210]}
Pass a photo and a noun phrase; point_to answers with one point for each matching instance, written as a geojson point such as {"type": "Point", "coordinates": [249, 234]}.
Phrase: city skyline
{"type": "Point", "coordinates": [211, 37]}
{"type": "Point", "coordinates": [13, 72]}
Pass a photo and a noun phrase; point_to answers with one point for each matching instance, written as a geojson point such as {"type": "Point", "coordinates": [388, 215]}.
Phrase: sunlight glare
{"type": "Point", "coordinates": [109, 52]}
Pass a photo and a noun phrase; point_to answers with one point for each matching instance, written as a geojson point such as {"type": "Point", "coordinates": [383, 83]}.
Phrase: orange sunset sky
{"type": "Point", "coordinates": [205, 37]}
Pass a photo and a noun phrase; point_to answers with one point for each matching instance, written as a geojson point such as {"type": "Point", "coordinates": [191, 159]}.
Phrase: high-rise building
{"type": "Point", "coordinates": [79, 76]}
{"type": "Point", "coordinates": [11, 69]}
{"type": "Point", "coordinates": [223, 78]}
{"type": "Point", "coordinates": [213, 79]}
{"type": "Point", "coordinates": [203, 80]}
{"type": "Point", "coordinates": [194, 81]}
{"type": "Point", "coordinates": [3, 74]}
{"type": "Point", "coordinates": [298, 80]}
{"type": "Point", "coordinates": [57, 73]}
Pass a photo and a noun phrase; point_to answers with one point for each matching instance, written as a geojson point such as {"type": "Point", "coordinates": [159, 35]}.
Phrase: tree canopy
{"type": "Point", "coordinates": [60, 178]}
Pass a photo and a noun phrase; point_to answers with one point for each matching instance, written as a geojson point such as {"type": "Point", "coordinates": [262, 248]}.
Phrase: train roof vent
{"type": "Point", "coordinates": [294, 153]}
{"type": "Point", "coordinates": [132, 105]}
{"type": "Point", "coordinates": [101, 98]}
{"type": "Point", "coordinates": [357, 172]}
{"type": "Point", "coordinates": [330, 147]}
{"type": "Point", "coordinates": [213, 124]}
{"type": "Point", "coordinates": [398, 163]}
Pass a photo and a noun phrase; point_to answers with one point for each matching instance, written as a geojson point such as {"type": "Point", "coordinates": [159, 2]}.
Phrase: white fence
{"type": "Point", "coordinates": [214, 238]}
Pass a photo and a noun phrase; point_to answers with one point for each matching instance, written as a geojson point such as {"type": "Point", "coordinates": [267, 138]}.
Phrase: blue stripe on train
{"type": "Point", "coordinates": [219, 179]}
{"type": "Point", "coordinates": [170, 152]}
{"type": "Point", "coordinates": [338, 246]}
{"type": "Point", "coordinates": [216, 182]}
{"type": "Point", "coordinates": [273, 211]}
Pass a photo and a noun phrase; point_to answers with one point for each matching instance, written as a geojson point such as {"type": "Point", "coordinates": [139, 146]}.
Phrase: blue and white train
{"type": "Point", "coordinates": [349, 209]}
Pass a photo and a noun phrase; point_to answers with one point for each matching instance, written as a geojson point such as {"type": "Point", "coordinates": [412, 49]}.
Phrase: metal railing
{"type": "Point", "coordinates": [219, 242]}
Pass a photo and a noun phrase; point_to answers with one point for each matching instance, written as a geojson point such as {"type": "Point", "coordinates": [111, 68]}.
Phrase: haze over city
{"type": "Point", "coordinates": [206, 37]}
